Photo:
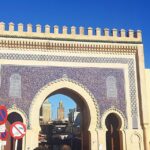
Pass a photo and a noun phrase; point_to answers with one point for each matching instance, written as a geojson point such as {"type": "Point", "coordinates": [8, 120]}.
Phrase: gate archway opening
{"type": "Point", "coordinates": [65, 85]}
{"type": "Point", "coordinates": [69, 130]}
{"type": "Point", "coordinates": [114, 134]}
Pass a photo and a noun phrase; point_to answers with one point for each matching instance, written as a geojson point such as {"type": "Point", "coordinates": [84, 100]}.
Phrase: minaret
{"type": "Point", "coordinates": [46, 111]}
{"type": "Point", "coordinates": [60, 111]}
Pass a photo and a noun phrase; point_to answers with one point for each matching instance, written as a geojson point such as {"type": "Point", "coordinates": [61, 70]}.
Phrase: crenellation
{"type": "Point", "coordinates": [11, 26]}
{"type": "Point", "coordinates": [20, 27]}
{"type": "Point", "coordinates": [131, 33]}
{"type": "Point", "coordinates": [106, 32]}
{"type": "Point", "coordinates": [38, 28]}
{"type": "Point", "coordinates": [73, 30]}
{"type": "Point", "coordinates": [91, 34]}
{"type": "Point", "coordinates": [139, 34]}
{"type": "Point", "coordinates": [122, 33]}
{"type": "Point", "coordinates": [29, 28]}
{"type": "Point", "coordinates": [2, 26]}
{"type": "Point", "coordinates": [114, 32]}
{"type": "Point", "coordinates": [98, 32]}
{"type": "Point", "coordinates": [90, 31]}
{"type": "Point", "coordinates": [81, 30]}
{"type": "Point", "coordinates": [65, 30]}
{"type": "Point", "coordinates": [56, 29]}
{"type": "Point", "coordinates": [47, 29]}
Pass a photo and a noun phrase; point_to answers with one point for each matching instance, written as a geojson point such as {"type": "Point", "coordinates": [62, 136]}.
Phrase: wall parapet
{"type": "Point", "coordinates": [72, 33]}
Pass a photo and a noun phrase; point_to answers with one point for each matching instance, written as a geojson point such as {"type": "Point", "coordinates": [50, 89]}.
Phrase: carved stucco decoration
{"type": "Point", "coordinates": [74, 47]}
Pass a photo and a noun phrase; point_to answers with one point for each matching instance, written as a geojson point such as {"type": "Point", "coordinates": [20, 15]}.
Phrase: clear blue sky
{"type": "Point", "coordinates": [67, 101]}
{"type": "Point", "coordinates": [128, 14]}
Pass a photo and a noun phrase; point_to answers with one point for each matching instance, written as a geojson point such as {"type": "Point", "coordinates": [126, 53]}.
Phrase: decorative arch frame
{"type": "Point", "coordinates": [14, 108]}
{"type": "Point", "coordinates": [118, 113]}
{"type": "Point", "coordinates": [51, 87]}
{"type": "Point", "coordinates": [122, 118]}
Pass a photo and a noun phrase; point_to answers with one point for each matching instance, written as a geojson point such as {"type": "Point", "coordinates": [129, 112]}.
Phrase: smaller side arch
{"type": "Point", "coordinates": [20, 112]}
{"type": "Point", "coordinates": [24, 119]}
{"type": "Point", "coordinates": [115, 131]}
{"type": "Point", "coordinates": [118, 113]}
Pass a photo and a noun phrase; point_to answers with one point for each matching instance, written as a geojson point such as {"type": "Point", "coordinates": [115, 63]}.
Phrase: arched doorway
{"type": "Point", "coordinates": [81, 94]}
{"type": "Point", "coordinates": [113, 134]}
{"type": "Point", "coordinates": [13, 117]}
{"type": "Point", "coordinates": [69, 129]}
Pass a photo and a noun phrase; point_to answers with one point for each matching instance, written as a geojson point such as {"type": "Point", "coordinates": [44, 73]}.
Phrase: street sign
{"type": "Point", "coordinates": [17, 130]}
{"type": "Point", "coordinates": [3, 136]}
{"type": "Point", "coordinates": [3, 114]}
{"type": "Point", "coordinates": [2, 128]}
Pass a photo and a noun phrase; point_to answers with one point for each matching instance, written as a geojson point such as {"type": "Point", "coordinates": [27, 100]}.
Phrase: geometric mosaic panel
{"type": "Point", "coordinates": [129, 61]}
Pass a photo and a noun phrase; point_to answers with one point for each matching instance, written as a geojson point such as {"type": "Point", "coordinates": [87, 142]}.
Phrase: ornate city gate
{"type": "Point", "coordinates": [105, 69]}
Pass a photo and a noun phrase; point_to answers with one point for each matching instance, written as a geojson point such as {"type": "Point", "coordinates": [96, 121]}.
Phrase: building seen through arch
{"type": "Point", "coordinates": [60, 111]}
{"type": "Point", "coordinates": [101, 70]}
{"type": "Point", "coordinates": [65, 129]}
{"type": "Point", "coordinates": [46, 112]}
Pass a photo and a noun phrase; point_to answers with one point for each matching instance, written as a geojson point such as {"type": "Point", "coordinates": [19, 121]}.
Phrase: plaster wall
{"type": "Point", "coordinates": [147, 75]}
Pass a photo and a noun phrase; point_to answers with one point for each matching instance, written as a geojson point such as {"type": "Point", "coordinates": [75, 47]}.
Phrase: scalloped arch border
{"type": "Point", "coordinates": [16, 109]}
{"type": "Point", "coordinates": [117, 112]}
{"type": "Point", "coordinates": [64, 82]}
